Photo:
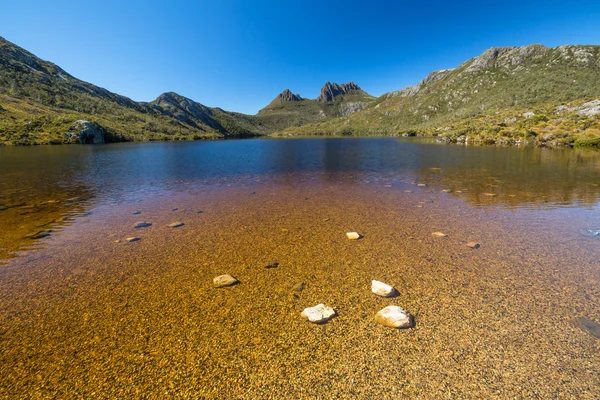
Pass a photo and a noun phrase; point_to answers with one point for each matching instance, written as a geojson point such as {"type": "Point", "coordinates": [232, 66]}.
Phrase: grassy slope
{"type": "Point", "coordinates": [476, 101]}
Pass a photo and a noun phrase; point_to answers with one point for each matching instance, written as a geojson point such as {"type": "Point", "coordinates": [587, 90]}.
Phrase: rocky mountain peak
{"type": "Point", "coordinates": [287, 95]}
{"type": "Point", "coordinates": [330, 91]}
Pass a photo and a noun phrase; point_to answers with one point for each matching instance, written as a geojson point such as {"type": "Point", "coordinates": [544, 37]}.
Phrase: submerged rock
{"type": "Point", "coordinates": [353, 235]}
{"type": "Point", "coordinates": [318, 314]}
{"type": "Point", "coordinates": [272, 265]}
{"type": "Point", "coordinates": [594, 232]}
{"type": "Point", "coordinates": [394, 317]}
{"type": "Point", "coordinates": [142, 224]}
{"type": "Point", "coordinates": [473, 245]}
{"type": "Point", "coordinates": [589, 326]}
{"type": "Point", "coordinates": [39, 234]}
{"type": "Point", "coordinates": [382, 289]}
{"type": "Point", "coordinates": [224, 280]}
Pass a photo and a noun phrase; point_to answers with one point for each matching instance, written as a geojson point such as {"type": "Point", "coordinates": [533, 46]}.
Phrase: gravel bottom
{"type": "Point", "coordinates": [91, 315]}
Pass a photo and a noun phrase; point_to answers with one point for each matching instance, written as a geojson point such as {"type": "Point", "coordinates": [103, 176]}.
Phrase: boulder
{"type": "Point", "coordinates": [318, 314]}
{"type": "Point", "coordinates": [224, 280]}
{"type": "Point", "coordinates": [394, 317]}
{"type": "Point", "coordinates": [382, 289]}
{"type": "Point", "coordinates": [86, 132]}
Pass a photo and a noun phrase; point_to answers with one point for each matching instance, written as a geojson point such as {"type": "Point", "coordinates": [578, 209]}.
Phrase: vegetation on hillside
{"type": "Point", "coordinates": [476, 98]}
{"type": "Point", "coordinates": [507, 95]}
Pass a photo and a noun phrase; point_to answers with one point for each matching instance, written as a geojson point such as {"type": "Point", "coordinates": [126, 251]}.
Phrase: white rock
{"type": "Point", "coordinates": [352, 235]}
{"type": "Point", "coordinates": [439, 234]}
{"type": "Point", "coordinates": [382, 289]}
{"type": "Point", "coordinates": [224, 280]}
{"type": "Point", "coordinates": [319, 313]}
{"type": "Point", "coordinates": [394, 317]}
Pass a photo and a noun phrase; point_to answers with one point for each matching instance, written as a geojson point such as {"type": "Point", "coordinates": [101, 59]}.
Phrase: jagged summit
{"type": "Point", "coordinates": [330, 91]}
{"type": "Point", "coordinates": [287, 95]}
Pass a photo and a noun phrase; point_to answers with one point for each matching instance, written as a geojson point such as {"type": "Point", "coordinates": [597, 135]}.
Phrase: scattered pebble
{"type": "Point", "coordinates": [318, 314]}
{"type": "Point", "coordinates": [387, 186]}
{"type": "Point", "coordinates": [473, 245]}
{"type": "Point", "coordinates": [142, 224]}
{"type": "Point", "coordinates": [256, 340]}
{"type": "Point", "coordinates": [175, 209]}
{"type": "Point", "coordinates": [408, 191]}
{"type": "Point", "coordinates": [353, 235]}
{"type": "Point", "coordinates": [394, 317]}
{"type": "Point", "coordinates": [199, 212]}
{"type": "Point", "coordinates": [447, 190]}
{"type": "Point", "coordinates": [272, 265]}
{"type": "Point", "coordinates": [118, 241]}
{"type": "Point", "coordinates": [176, 224]}
{"type": "Point", "coordinates": [136, 212]}
{"type": "Point", "coordinates": [133, 239]}
{"type": "Point", "coordinates": [299, 287]}
{"type": "Point", "coordinates": [224, 280]}
{"type": "Point", "coordinates": [490, 194]}
{"type": "Point", "coordinates": [382, 289]}
{"type": "Point", "coordinates": [594, 232]}
{"type": "Point", "coordinates": [422, 184]}
{"type": "Point", "coordinates": [439, 234]}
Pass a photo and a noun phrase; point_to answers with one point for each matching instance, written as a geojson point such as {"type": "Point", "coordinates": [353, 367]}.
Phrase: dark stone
{"type": "Point", "coordinates": [589, 326]}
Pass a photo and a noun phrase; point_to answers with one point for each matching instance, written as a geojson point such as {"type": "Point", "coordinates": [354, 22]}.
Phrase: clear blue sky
{"type": "Point", "coordinates": [238, 55]}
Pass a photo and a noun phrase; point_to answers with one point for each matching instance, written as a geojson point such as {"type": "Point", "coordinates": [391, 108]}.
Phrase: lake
{"type": "Point", "coordinates": [85, 313]}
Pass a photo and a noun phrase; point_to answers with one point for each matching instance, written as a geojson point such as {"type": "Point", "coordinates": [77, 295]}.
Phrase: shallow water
{"type": "Point", "coordinates": [83, 315]}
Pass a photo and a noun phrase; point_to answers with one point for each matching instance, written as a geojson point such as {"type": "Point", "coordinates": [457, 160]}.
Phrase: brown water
{"type": "Point", "coordinates": [83, 315]}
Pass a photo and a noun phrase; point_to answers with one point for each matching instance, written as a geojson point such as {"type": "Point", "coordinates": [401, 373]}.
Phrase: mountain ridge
{"type": "Point", "coordinates": [502, 80]}
{"type": "Point", "coordinates": [40, 102]}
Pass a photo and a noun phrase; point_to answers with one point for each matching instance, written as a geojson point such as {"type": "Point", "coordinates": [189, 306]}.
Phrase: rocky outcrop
{"type": "Point", "coordinates": [586, 109]}
{"type": "Point", "coordinates": [429, 79]}
{"type": "Point", "coordinates": [86, 132]}
{"type": "Point", "coordinates": [351, 108]}
{"type": "Point", "coordinates": [331, 91]}
{"type": "Point", "coordinates": [498, 57]}
{"type": "Point", "coordinates": [287, 95]}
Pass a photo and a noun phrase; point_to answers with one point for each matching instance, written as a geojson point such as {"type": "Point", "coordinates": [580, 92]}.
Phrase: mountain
{"type": "Point", "coordinates": [532, 94]}
{"type": "Point", "coordinates": [488, 97]}
{"type": "Point", "coordinates": [335, 100]}
{"type": "Point", "coordinates": [41, 103]}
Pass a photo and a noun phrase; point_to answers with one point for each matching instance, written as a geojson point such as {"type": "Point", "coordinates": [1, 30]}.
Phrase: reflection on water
{"type": "Point", "coordinates": [44, 188]}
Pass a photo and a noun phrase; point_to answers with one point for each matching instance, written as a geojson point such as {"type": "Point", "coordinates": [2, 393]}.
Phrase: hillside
{"type": "Point", "coordinates": [486, 97]}
{"type": "Point", "coordinates": [41, 103]}
{"type": "Point", "coordinates": [530, 94]}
